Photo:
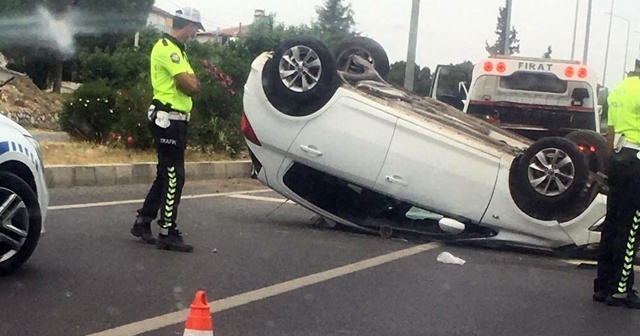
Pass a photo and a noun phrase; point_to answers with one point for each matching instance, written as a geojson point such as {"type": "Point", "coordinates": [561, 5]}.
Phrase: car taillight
{"type": "Point", "coordinates": [248, 132]}
{"type": "Point", "coordinates": [585, 148]}
{"type": "Point", "coordinates": [501, 67]}
{"type": "Point", "coordinates": [569, 72]}
{"type": "Point", "coordinates": [583, 73]}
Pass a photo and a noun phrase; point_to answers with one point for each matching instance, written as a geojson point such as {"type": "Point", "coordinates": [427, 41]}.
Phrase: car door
{"type": "Point", "coordinates": [348, 140]}
{"type": "Point", "coordinates": [439, 170]}
{"type": "Point", "coordinates": [449, 86]}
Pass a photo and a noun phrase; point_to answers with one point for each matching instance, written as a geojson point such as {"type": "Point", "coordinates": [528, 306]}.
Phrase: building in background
{"type": "Point", "coordinates": [163, 21]}
{"type": "Point", "coordinates": [160, 19]}
{"type": "Point", "coordinates": [222, 36]}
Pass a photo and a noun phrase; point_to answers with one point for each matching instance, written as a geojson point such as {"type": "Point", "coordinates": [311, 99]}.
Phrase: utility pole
{"type": "Point", "coordinates": [606, 55]}
{"type": "Point", "coordinates": [586, 37]}
{"type": "Point", "coordinates": [575, 31]}
{"type": "Point", "coordinates": [507, 31]}
{"type": "Point", "coordinates": [626, 48]}
{"type": "Point", "coordinates": [409, 75]}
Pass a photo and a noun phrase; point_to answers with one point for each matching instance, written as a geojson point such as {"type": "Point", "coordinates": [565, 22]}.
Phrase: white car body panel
{"type": "Point", "coordinates": [416, 152]}
{"type": "Point", "coordinates": [255, 100]}
{"type": "Point", "coordinates": [15, 146]}
{"type": "Point", "coordinates": [327, 152]}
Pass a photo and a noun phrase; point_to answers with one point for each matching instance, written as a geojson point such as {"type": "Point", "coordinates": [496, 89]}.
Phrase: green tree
{"type": "Point", "coordinates": [498, 47]}
{"type": "Point", "coordinates": [335, 21]}
{"type": "Point", "coordinates": [547, 54]}
{"type": "Point", "coordinates": [123, 68]}
{"type": "Point", "coordinates": [422, 77]}
{"type": "Point", "coordinates": [222, 71]}
{"type": "Point", "coordinates": [265, 35]}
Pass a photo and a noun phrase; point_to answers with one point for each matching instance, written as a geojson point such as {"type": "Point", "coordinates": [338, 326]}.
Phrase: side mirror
{"type": "Point", "coordinates": [603, 93]}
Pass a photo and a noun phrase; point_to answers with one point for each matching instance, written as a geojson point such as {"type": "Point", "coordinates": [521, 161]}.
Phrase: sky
{"type": "Point", "coordinates": [453, 31]}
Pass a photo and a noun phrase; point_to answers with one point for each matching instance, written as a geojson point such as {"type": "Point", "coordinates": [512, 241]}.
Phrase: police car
{"type": "Point", "coordinates": [24, 197]}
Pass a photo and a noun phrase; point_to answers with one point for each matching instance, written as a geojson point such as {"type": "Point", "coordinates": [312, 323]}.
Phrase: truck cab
{"type": "Point", "coordinates": [533, 97]}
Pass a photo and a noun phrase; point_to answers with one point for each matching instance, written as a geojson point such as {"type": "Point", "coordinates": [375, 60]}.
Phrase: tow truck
{"type": "Point", "coordinates": [533, 97]}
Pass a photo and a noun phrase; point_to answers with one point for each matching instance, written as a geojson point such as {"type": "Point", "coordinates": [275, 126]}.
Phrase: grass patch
{"type": "Point", "coordinates": [86, 153]}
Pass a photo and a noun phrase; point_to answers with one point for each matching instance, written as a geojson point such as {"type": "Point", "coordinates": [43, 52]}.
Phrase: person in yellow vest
{"type": "Point", "coordinates": [614, 283]}
{"type": "Point", "coordinates": [174, 83]}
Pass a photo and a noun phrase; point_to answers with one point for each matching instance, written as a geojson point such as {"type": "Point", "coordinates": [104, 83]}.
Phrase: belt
{"type": "Point", "coordinates": [157, 106]}
{"type": "Point", "coordinates": [179, 116]}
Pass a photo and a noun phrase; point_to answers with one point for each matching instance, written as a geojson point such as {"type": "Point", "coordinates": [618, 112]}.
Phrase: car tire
{"type": "Point", "coordinates": [546, 182]}
{"type": "Point", "coordinates": [23, 213]}
{"type": "Point", "coordinates": [368, 48]}
{"type": "Point", "coordinates": [295, 92]}
{"type": "Point", "coordinates": [596, 147]}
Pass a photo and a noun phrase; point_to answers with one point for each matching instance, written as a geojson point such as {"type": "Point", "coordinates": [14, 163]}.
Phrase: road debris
{"type": "Point", "coordinates": [448, 258]}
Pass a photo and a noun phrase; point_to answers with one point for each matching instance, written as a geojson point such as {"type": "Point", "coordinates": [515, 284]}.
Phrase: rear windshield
{"type": "Point", "coordinates": [534, 81]}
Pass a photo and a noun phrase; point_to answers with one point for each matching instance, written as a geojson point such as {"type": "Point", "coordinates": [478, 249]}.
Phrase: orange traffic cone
{"type": "Point", "coordinates": [199, 322]}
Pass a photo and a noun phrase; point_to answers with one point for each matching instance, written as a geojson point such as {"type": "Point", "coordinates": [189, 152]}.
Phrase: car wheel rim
{"type": "Point", "coordinates": [551, 172]}
{"type": "Point", "coordinates": [14, 223]}
{"type": "Point", "coordinates": [300, 69]}
{"type": "Point", "coordinates": [350, 66]}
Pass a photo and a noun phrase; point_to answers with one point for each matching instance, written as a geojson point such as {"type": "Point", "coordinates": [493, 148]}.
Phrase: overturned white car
{"type": "Point", "coordinates": [345, 144]}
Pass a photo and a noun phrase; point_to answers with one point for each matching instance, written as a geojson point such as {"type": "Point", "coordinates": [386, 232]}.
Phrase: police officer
{"type": "Point", "coordinates": [614, 283]}
{"type": "Point", "coordinates": [174, 83]}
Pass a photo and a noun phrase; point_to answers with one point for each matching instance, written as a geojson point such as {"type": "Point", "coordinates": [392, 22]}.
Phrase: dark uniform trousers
{"type": "Point", "coordinates": [166, 190]}
{"type": "Point", "coordinates": [619, 243]}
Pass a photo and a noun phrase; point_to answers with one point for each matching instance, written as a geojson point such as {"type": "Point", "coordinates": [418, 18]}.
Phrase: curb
{"type": "Point", "coordinates": [138, 173]}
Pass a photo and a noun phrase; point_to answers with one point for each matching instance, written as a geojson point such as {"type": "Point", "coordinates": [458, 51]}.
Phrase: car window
{"type": "Point", "coordinates": [532, 81]}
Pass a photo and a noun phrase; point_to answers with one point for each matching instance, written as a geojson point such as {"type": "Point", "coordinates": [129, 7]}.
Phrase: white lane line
{"type": "Point", "coordinates": [186, 197]}
{"type": "Point", "coordinates": [170, 319]}
{"type": "Point", "coordinates": [262, 199]}
{"type": "Point", "coordinates": [592, 263]}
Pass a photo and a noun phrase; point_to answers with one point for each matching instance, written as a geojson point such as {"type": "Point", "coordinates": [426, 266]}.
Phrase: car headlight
{"type": "Point", "coordinates": [36, 145]}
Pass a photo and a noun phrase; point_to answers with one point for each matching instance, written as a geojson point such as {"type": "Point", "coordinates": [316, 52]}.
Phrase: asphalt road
{"type": "Point", "coordinates": [268, 271]}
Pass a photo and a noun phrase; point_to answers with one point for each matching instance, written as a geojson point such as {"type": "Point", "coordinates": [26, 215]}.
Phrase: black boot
{"type": "Point", "coordinates": [600, 296]}
{"type": "Point", "coordinates": [173, 241]}
{"type": "Point", "coordinates": [142, 230]}
{"type": "Point", "coordinates": [600, 290]}
{"type": "Point", "coordinates": [628, 300]}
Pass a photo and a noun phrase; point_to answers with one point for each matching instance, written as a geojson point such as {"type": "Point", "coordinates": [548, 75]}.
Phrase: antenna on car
{"type": "Point", "coordinates": [278, 207]}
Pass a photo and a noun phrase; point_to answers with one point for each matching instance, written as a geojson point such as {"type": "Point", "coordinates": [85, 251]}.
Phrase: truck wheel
{"type": "Point", "coordinates": [548, 178]}
{"type": "Point", "coordinates": [301, 76]}
{"type": "Point", "coordinates": [366, 48]}
{"type": "Point", "coordinates": [594, 146]}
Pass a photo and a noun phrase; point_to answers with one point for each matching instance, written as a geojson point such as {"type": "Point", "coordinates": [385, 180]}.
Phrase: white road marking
{"type": "Point", "coordinates": [170, 319]}
{"type": "Point", "coordinates": [578, 262]}
{"type": "Point", "coordinates": [186, 197]}
{"type": "Point", "coordinates": [263, 199]}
